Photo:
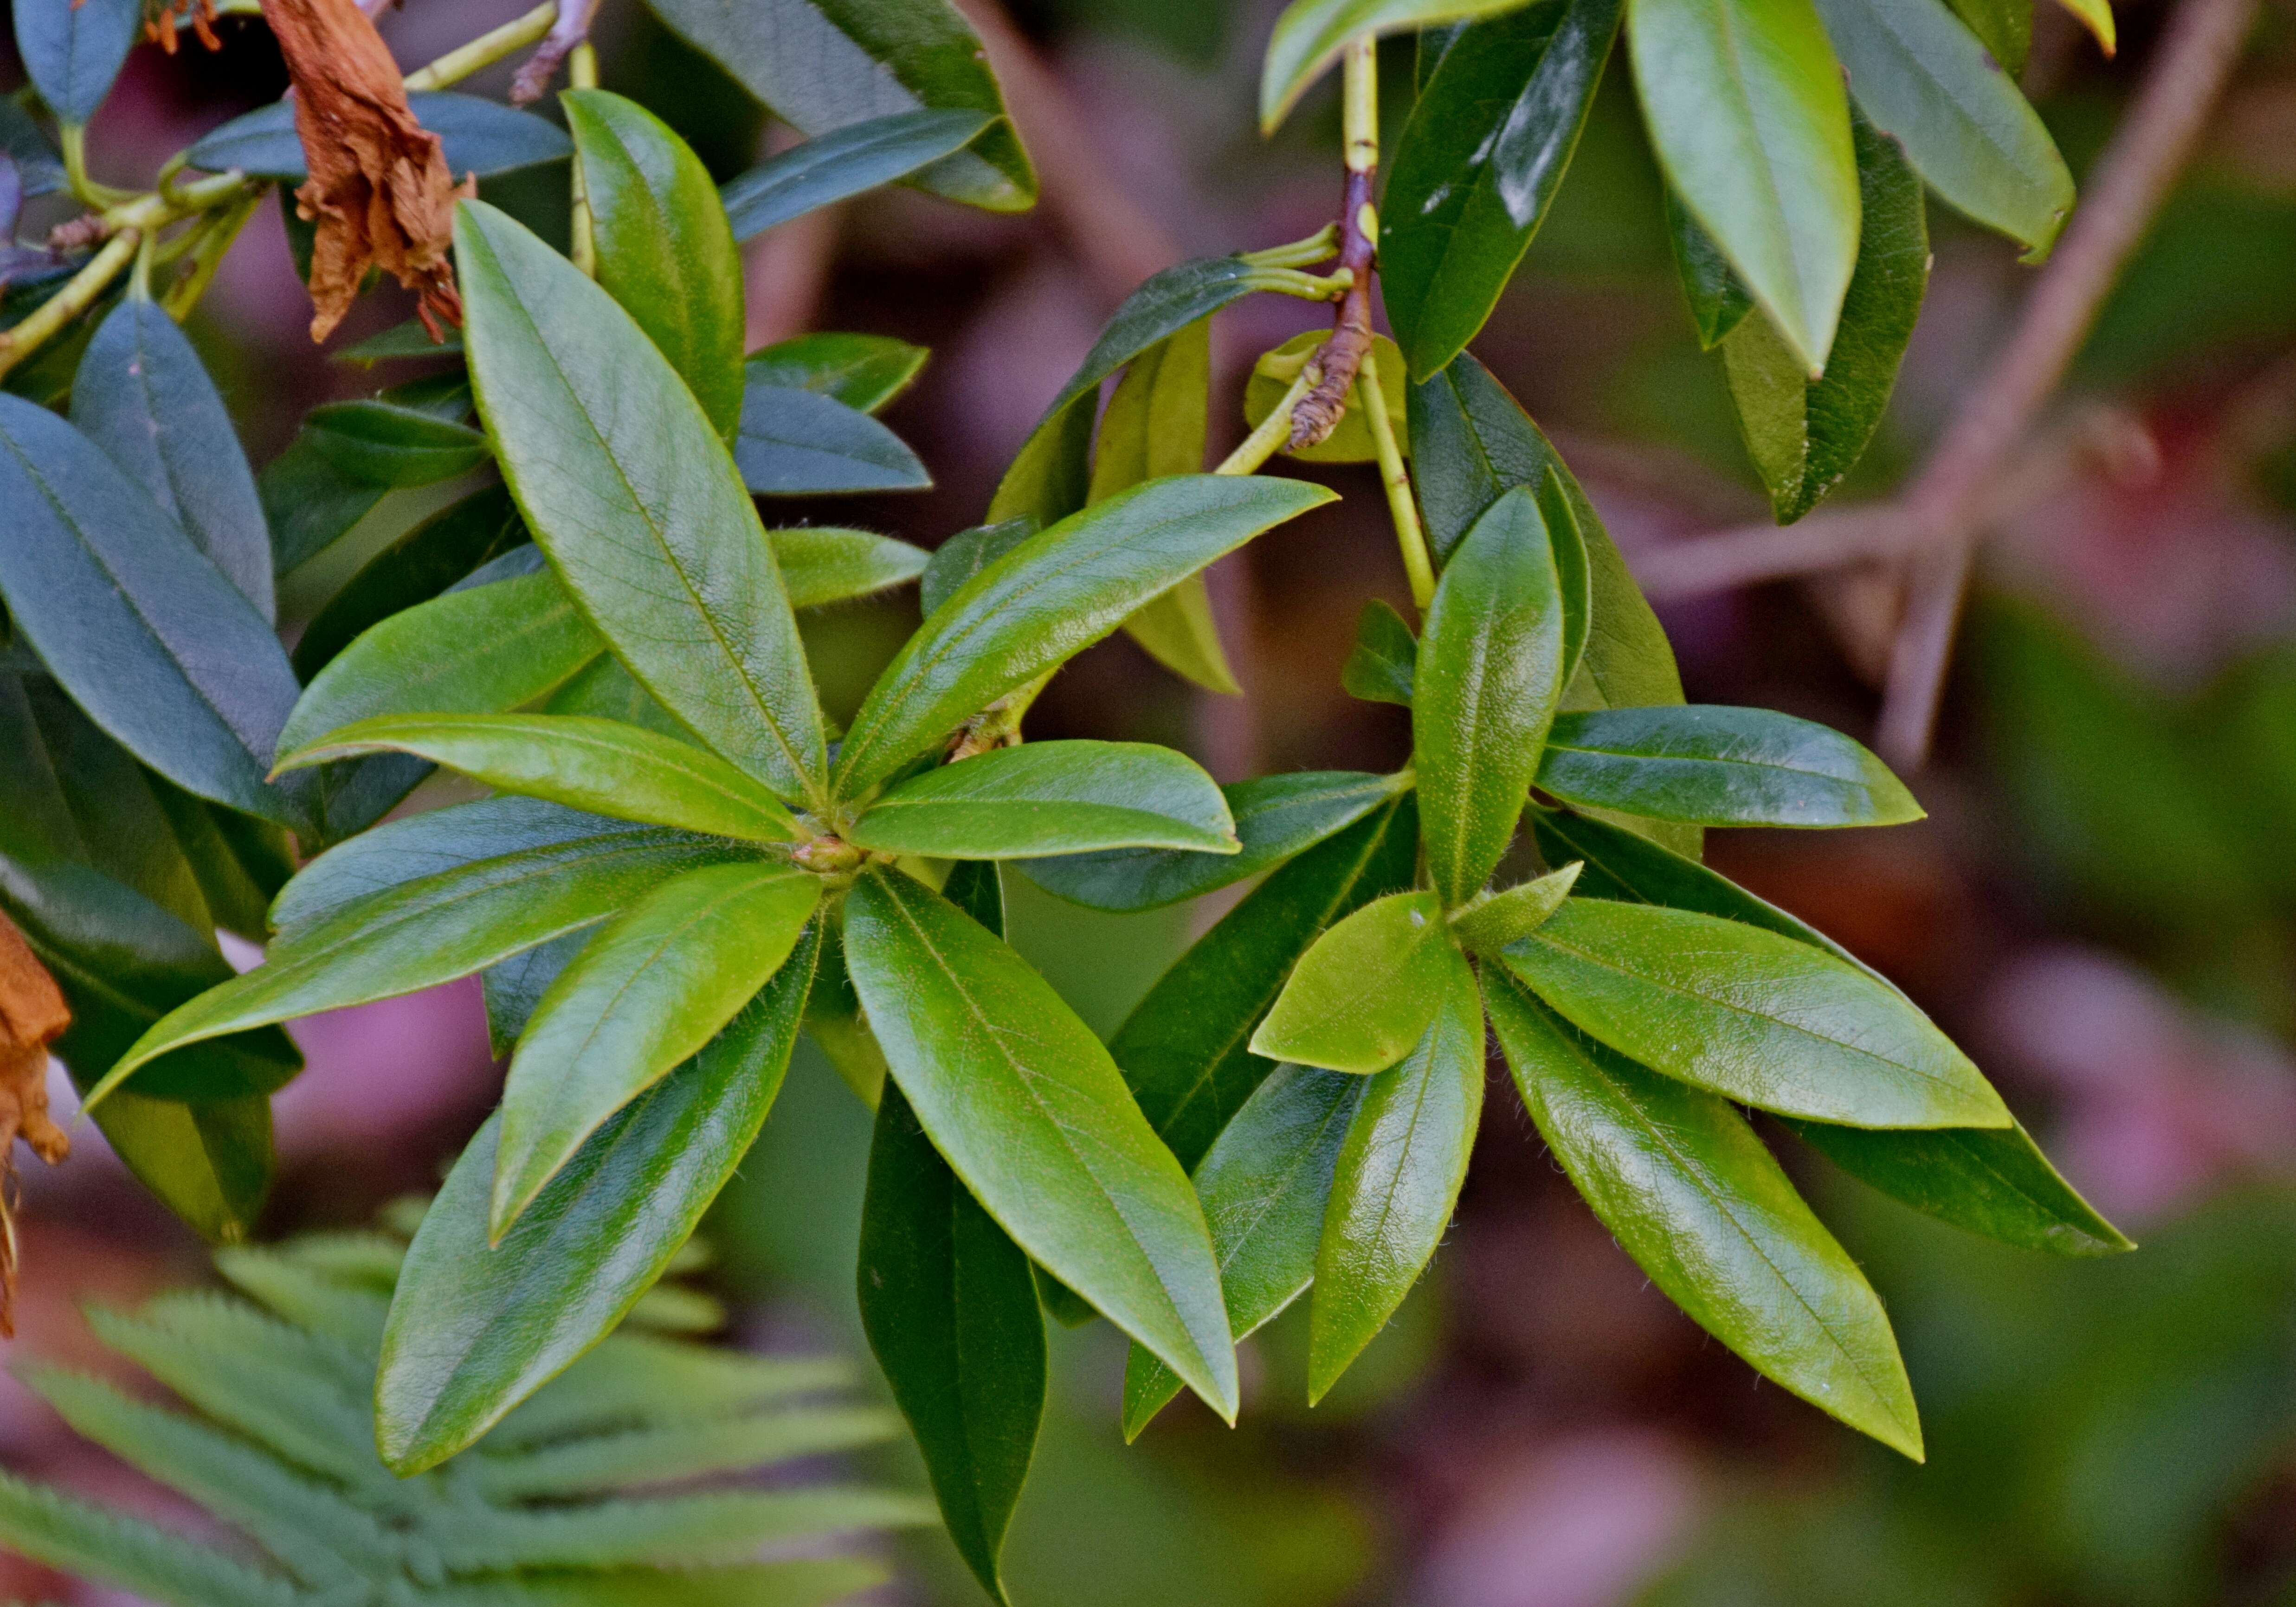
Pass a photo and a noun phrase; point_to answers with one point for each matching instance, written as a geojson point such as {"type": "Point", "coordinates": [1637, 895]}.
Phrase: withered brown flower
{"type": "Point", "coordinates": [32, 1014]}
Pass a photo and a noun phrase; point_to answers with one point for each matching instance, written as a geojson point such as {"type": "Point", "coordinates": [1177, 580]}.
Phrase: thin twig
{"type": "Point", "coordinates": [1341, 357]}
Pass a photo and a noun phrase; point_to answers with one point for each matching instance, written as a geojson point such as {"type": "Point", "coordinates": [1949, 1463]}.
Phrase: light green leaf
{"type": "Point", "coordinates": [1310, 35]}
{"type": "Point", "coordinates": [1496, 920]}
{"type": "Point", "coordinates": [377, 443]}
{"type": "Point", "coordinates": [1069, 798]}
{"type": "Point", "coordinates": [866, 372]}
{"type": "Point", "coordinates": [1713, 765]}
{"type": "Point", "coordinates": [823, 564]}
{"type": "Point", "coordinates": [1364, 992]}
{"type": "Point", "coordinates": [64, 1531]}
{"type": "Point", "coordinates": [1351, 442]}
{"type": "Point", "coordinates": [1384, 664]}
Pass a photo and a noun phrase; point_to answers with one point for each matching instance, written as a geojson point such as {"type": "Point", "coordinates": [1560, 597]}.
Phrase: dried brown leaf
{"type": "Point", "coordinates": [32, 1014]}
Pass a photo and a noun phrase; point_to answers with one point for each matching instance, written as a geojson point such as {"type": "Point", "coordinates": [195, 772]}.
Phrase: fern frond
{"type": "Point", "coordinates": [602, 1462]}
{"type": "Point", "coordinates": [724, 1526]}
{"type": "Point", "coordinates": [349, 1310]}
{"type": "Point", "coordinates": [158, 1565]}
{"type": "Point", "coordinates": [634, 1380]}
{"type": "Point", "coordinates": [799, 1582]}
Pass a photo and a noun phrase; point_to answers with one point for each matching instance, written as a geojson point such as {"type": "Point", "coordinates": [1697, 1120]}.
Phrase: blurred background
{"type": "Point", "coordinates": [2102, 905]}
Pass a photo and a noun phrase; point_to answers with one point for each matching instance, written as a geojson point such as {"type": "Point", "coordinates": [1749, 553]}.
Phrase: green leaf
{"type": "Point", "coordinates": [512, 988]}
{"type": "Point", "coordinates": [413, 569]}
{"type": "Point", "coordinates": [1351, 442]}
{"type": "Point", "coordinates": [141, 394]}
{"type": "Point", "coordinates": [628, 488]}
{"type": "Point", "coordinates": [844, 162]}
{"type": "Point", "coordinates": [1032, 1114]}
{"type": "Point", "coordinates": [1713, 765]}
{"type": "Point", "coordinates": [1745, 107]}
{"type": "Point", "coordinates": [2005, 27]}
{"type": "Point", "coordinates": [1310, 35]}
{"type": "Point", "coordinates": [1718, 301]}
{"type": "Point", "coordinates": [1574, 575]}
{"type": "Point", "coordinates": [596, 1462]}
{"type": "Point", "coordinates": [240, 862]}
{"type": "Point", "coordinates": [665, 250]}
{"type": "Point", "coordinates": [797, 443]}
{"type": "Point", "coordinates": [1689, 1191]}
{"type": "Point", "coordinates": [823, 564]}
{"type": "Point", "coordinates": [1276, 816]}
{"type": "Point", "coordinates": [1397, 1177]}
{"type": "Point", "coordinates": [1384, 663]}
{"type": "Point", "coordinates": [1489, 673]}
{"type": "Point", "coordinates": [481, 138]}
{"type": "Point", "coordinates": [1479, 164]}
{"type": "Point", "coordinates": [966, 554]}
{"type": "Point", "coordinates": [408, 341]}
{"type": "Point", "coordinates": [475, 1329]}
{"type": "Point", "coordinates": [1763, 1018]}
{"type": "Point", "coordinates": [1804, 438]}
{"type": "Point", "coordinates": [433, 930]}
{"type": "Point", "coordinates": [834, 1018]}
{"type": "Point", "coordinates": [1185, 1048]}
{"type": "Point", "coordinates": [1993, 1181]}
{"type": "Point", "coordinates": [1364, 992]}
{"type": "Point", "coordinates": [142, 629]}
{"type": "Point", "coordinates": [1927, 83]}
{"type": "Point", "coordinates": [1496, 920]}
{"type": "Point", "coordinates": [821, 65]}
{"type": "Point", "coordinates": [379, 444]}
{"type": "Point", "coordinates": [1070, 797]}
{"type": "Point", "coordinates": [72, 53]}
{"type": "Point", "coordinates": [311, 503]}
{"type": "Point", "coordinates": [950, 1308]}
{"type": "Point", "coordinates": [210, 1161]}
{"type": "Point", "coordinates": [1048, 599]}
{"type": "Point", "coordinates": [650, 989]}
{"type": "Point", "coordinates": [606, 766]}
{"type": "Point", "coordinates": [865, 372]}
{"type": "Point", "coordinates": [1265, 1186]}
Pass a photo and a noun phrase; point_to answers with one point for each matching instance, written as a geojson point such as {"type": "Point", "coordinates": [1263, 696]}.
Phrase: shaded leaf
{"type": "Point", "coordinates": [794, 443]}
{"type": "Point", "coordinates": [1382, 666]}
{"type": "Point", "coordinates": [824, 564]}
{"type": "Point", "coordinates": [865, 372]}
{"type": "Point", "coordinates": [72, 53]}
{"type": "Point", "coordinates": [413, 569]}
{"type": "Point", "coordinates": [378, 443]}
{"type": "Point", "coordinates": [966, 554]}
{"type": "Point", "coordinates": [1310, 35]}
{"type": "Point", "coordinates": [1718, 301]}
{"type": "Point", "coordinates": [1993, 1181]}
{"type": "Point", "coordinates": [482, 138]}
{"type": "Point", "coordinates": [844, 162]}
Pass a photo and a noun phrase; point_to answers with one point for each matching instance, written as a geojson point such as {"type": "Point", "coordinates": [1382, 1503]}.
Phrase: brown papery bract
{"type": "Point", "coordinates": [379, 189]}
{"type": "Point", "coordinates": [32, 1014]}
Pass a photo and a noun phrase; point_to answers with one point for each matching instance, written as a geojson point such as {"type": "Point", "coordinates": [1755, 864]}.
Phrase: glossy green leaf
{"type": "Point", "coordinates": [433, 930]}
{"type": "Point", "coordinates": [821, 65]}
{"type": "Point", "coordinates": [604, 690]}
{"type": "Point", "coordinates": [1993, 1181]}
{"type": "Point", "coordinates": [796, 443]}
{"type": "Point", "coordinates": [1397, 1178]}
{"type": "Point", "coordinates": [1382, 665]}
{"type": "Point", "coordinates": [865, 372]}
{"type": "Point", "coordinates": [1489, 673]}
{"type": "Point", "coordinates": [665, 250]}
{"type": "Point", "coordinates": [1048, 599]}
{"type": "Point", "coordinates": [146, 633]}
{"type": "Point", "coordinates": [844, 162]}
{"type": "Point", "coordinates": [1265, 1186]}
{"type": "Point", "coordinates": [1479, 164]}
{"type": "Point", "coordinates": [311, 503]}
{"type": "Point", "coordinates": [1689, 1191]}
{"type": "Point", "coordinates": [650, 989]}
{"type": "Point", "coordinates": [1745, 107]}
{"type": "Point", "coordinates": [630, 492]}
{"type": "Point", "coordinates": [1804, 438]}
{"type": "Point", "coordinates": [1310, 35]}
{"type": "Point", "coordinates": [1719, 302]}
{"type": "Point", "coordinates": [1763, 1018]}
{"type": "Point", "coordinates": [1032, 1113]}
{"type": "Point", "coordinates": [413, 569]}
{"type": "Point", "coordinates": [1185, 1048]}
{"type": "Point", "coordinates": [72, 51]}
{"type": "Point", "coordinates": [2005, 28]}
{"type": "Point", "coordinates": [475, 1329]}
{"type": "Point", "coordinates": [1364, 992]}
{"type": "Point", "coordinates": [1276, 816]}
{"type": "Point", "coordinates": [1496, 920]}
{"type": "Point", "coordinates": [1574, 577]}
{"type": "Point", "coordinates": [378, 443]}
{"type": "Point", "coordinates": [481, 138]}
{"type": "Point", "coordinates": [604, 766]}
{"type": "Point", "coordinates": [210, 1162]}
{"type": "Point", "coordinates": [1070, 797]}
{"type": "Point", "coordinates": [1713, 765]}
{"type": "Point", "coordinates": [821, 564]}
{"type": "Point", "coordinates": [950, 1308]}
{"type": "Point", "coordinates": [141, 394]}
{"type": "Point", "coordinates": [1926, 81]}
{"type": "Point", "coordinates": [966, 554]}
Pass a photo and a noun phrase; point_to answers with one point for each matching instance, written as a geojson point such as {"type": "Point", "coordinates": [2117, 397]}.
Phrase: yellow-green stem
{"type": "Point", "coordinates": [185, 293]}
{"type": "Point", "coordinates": [1410, 534]}
{"type": "Point", "coordinates": [73, 139]}
{"type": "Point", "coordinates": [582, 73]}
{"type": "Point", "coordinates": [1274, 430]}
{"type": "Point", "coordinates": [487, 49]}
{"type": "Point", "coordinates": [68, 303]}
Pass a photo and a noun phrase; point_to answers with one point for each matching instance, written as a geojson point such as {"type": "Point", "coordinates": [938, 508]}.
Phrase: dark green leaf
{"type": "Point", "coordinates": [604, 690]}
{"type": "Point", "coordinates": [39, 166]}
{"type": "Point", "coordinates": [824, 564]}
{"type": "Point", "coordinates": [210, 1162]}
{"type": "Point", "coordinates": [1719, 302]}
{"type": "Point", "coordinates": [1745, 107]}
{"type": "Point", "coordinates": [1489, 673]}
{"type": "Point", "coordinates": [834, 1016]}
{"type": "Point", "coordinates": [1031, 1112]}
{"type": "Point", "coordinates": [1048, 599]}
{"type": "Point", "coordinates": [143, 395]}
{"type": "Point", "coordinates": [481, 136]}
{"type": "Point", "coordinates": [796, 443]}
{"type": "Point", "coordinates": [146, 633]}
{"type": "Point", "coordinates": [1803, 437]}
{"type": "Point", "coordinates": [1496, 920]}
{"type": "Point", "coordinates": [1385, 659]}
{"type": "Point", "coordinates": [821, 65]}
{"type": "Point", "coordinates": [1184, 1048]}
{"type": "Point", "coordinates": [1276, 817]}
{"type": "Point", "coordinates": [1366, 990]}
{"type": "Point", "coordinates": [950, 1308]}
{"type": "Point", "coordinates": [1689, 1191]}
{"type": "Point", "coordinates": [1069, 798]}
{"type": "Point", "coordinates": [1310, 35]}
{"type": "Point", "coordinates": [412, 569]}
{"type": "Point", "coordinates": [309, 504]}
{"type": "Point", "coordinates": [1397, 1177]}
{"type": "Point", "coordinates": [845, 162]}
{"type": "Point", "coordinates": [1927, 83]}
{"type": "Point", "coordinates": [665, 251]}
{"type": "Point", "coordinates": [1993, 1181]}
{"type": "Point", "coordinates": [1711, 765]}
{"type": "Point", "coordinates": [73, 50]}
{"type": "Point", "coordinates": [628, 490]}
{"type": "Point", "coordinates": [865, 372]}
{"type": "Point", "coordinates": [1478, 165]}
{"type": "Point", "coordinates": [1574, 577]}
{"type": "Point", "coordinates": [966, 554]}
{"type": "Point", "coordinates": [474, 1329]}
{"type": "Point", "coordinates": [2004, 27]}
{"type": "Point", "coordinates": [240, 862]}
{"type": "Point", "coordinates": [1264, 1186]}
{"type": "Point", "coordinates": [650, 989]}
{"type": "Point", "coordinates": [1763, 1018]}
{"type": "Point", "coordinates": [410, 341]}
{"type": "Point", "coordinates": [513, 988]}
{"type": "Point", "coordinates": [378, 443]}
